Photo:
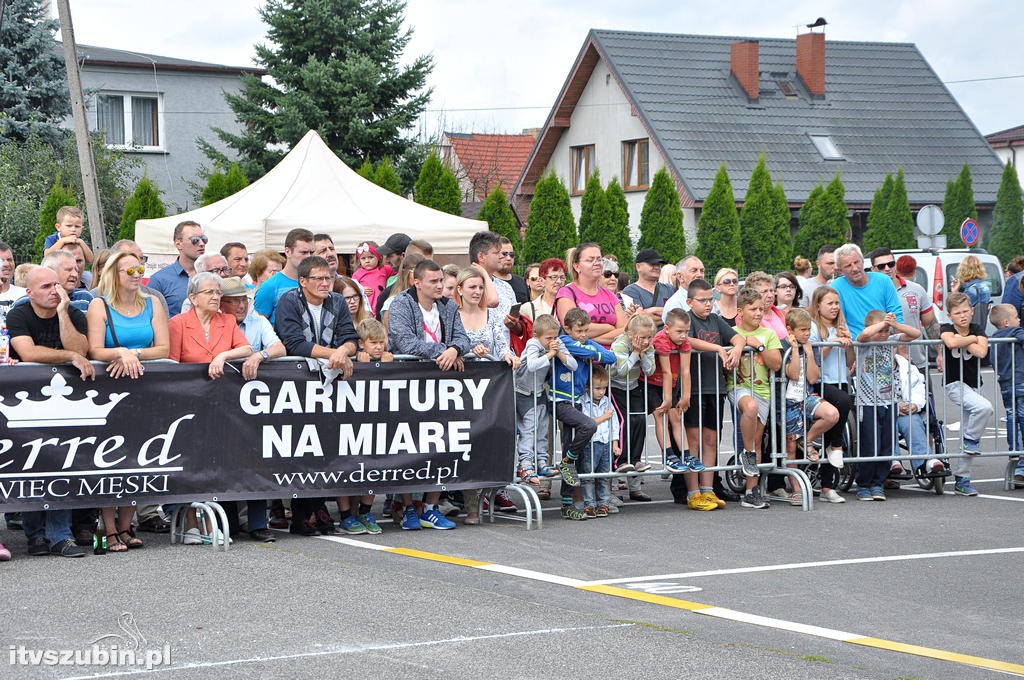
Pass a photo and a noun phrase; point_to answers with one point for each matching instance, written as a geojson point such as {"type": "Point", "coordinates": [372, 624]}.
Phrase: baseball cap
{"type": "Point", "coordinates": [396, 243]}
{"type": "Point", "coordinates": [650, 256]}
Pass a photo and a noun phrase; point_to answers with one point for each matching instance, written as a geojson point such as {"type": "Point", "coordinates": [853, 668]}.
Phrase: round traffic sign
{"type": "Point", "coordinates": [969, 232]}
{"type": "Point", "coordinates": [929, 220]}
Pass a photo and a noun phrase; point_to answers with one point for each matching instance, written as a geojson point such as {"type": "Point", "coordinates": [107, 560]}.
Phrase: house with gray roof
{"type": "Point", "coordinates": [636, 102]}
{"type": "Point", "coordinates": [1009, 146]}
{"type": "Point", "coordinates": [155, 108]}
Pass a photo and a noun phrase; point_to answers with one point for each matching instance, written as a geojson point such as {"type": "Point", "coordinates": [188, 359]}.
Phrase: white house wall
{"type": "Point", "coordinates": [602, 118]}
{"type": "Point", "coordinates": [1014, 155]}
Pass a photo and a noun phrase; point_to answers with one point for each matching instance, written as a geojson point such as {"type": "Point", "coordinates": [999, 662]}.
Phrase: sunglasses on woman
{"type": "Point", "coordinates": [728, 282]}
{"type": "Point", "coordinates": [609, 275]}
{"type": "Point", "coordinates": [134, 271]}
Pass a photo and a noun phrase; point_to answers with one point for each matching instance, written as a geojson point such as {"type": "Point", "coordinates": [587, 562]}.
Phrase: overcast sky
{"type": "Point", "coordinates": [499, 64]}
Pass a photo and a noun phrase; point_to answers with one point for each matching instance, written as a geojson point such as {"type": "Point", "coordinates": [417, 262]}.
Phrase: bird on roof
{"type": "Point", "coordinates": [820, 22]}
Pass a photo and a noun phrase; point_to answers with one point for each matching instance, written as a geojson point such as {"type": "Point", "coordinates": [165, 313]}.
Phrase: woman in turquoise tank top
{"type": "Point", "coordinates": [134, 330]}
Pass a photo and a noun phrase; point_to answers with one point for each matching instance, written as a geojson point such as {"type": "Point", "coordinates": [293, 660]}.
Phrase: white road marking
{"type": "Point", "coordinates": [807, 565]}
{"type": "Point", "coordinates": [744, 617]}
{"type": "Point", "coordinates": [358, 649]}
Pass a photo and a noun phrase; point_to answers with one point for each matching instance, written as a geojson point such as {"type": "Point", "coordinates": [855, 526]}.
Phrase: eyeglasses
{"type": "Point", "coordinates": [729, 282]}
{"type": "Point", "coordinates": [609, 275]}
{"type": "Point", "coordinates": [319, 279]}
{"type": "Point", "coordinates": [236, 300]}
{"type": "Point", "coordinates": [508, 253]}
{"type": "Point", "coordinates": [134, 271]}
{"type": "Point", "coordinates": [703, 300]}
{"type": "Point", "coordinates": [211, 292]}
{"type": "Point", "coordinates": [555, 277]}
{"type": "Point", "coordinates": [886, 265]}
{"type": "Point", "coordinates": [196, 240]}
{"type": "Point", "coordinates": [351, 298]}
{"type": "Point", "coordinates": [785, 286]}
{"type": "Point", "coordinates": [219, 270]}
{"type": "Point", "coordinates": [533, 278]}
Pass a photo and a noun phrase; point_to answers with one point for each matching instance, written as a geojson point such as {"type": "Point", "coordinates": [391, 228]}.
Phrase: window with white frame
{"type": "Point", "coordinates": [582, 167]}
{"type": "Point", "coordinates": [130, 120]}
{"type": "Point", "coordinates": [635, 164]}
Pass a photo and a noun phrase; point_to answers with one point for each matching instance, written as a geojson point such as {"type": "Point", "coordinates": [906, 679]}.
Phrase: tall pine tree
{"type": "Point", "coordinates": [783, 225]}
{"type": "Point", "coordinates": [900, 219]}
{"type": "Point", "coordinates": [438, 188]}
{"type": "Point", "coordinates": [59, 196]}
{"type": "Point", "coordinates": [144, 204]}
{"type": "Point", "coordinates": [618, 240]}
{"type": "Point", "coordinates": [498, 214]}
{"type": "Point", "coordinates": [552, 228]}
{"type": "Point", "coordinates": [385, 176]}
{"type": "Point", "coordinates": [33, 81]}
{"type": "Point", "coordinates": [877, 233]}
{"type": "Point", "coordinates": [718, 229]}
{"type": "Point", "coordinates": [763, 234]}
{"type": "Point", "coordinates": [366, 170]}
{"type": "Point", "coordinates": [1007, 238]}
{"type": "Point", "coordinates": [958, 205]}
{"type": "Point", "coordinates": [335, 66]}
{"type": "Point", "coordinates": [595, 213]}
{"type": "Point", "coordinates": [822, 220]}
{"type": "Point", "coordinates": [661, 219]}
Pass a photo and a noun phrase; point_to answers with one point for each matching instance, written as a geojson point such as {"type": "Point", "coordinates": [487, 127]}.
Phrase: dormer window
{"type": "Point", "coordinates": [827, 148]}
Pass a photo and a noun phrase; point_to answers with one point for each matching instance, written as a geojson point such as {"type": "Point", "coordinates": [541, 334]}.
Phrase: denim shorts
{"type": "Point", "coordinates": [797, 412]}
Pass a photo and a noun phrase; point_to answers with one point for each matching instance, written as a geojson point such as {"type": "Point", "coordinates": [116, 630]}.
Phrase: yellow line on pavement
{"type": "Point", "coordinates": [940, 654]}
{"type": "Point", "coordinates": [647, 597]}
{"type": "Point", "coordinates": [436, 557]}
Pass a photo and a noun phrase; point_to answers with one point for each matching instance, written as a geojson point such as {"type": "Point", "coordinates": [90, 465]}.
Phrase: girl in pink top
{"type": "Point", "coordinates": [372, 274]}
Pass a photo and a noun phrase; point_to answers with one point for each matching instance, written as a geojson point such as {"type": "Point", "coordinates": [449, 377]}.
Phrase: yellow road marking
{"type": "Point", "coordinates": [647, 597]}
{"type": "Point", "coordinates": [436, 557]}
{"type": "Point", "coordinates": [940, 654]}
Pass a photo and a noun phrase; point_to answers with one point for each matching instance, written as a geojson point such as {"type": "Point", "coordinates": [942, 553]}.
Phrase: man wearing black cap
{"type": "Point", "coordinates": [648, 292]}
{"type": "Point", "coordinates": [393, 252]}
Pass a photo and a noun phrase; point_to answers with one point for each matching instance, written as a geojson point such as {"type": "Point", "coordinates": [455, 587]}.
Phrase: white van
{"type": "Point", "coordinates": [937, 267]}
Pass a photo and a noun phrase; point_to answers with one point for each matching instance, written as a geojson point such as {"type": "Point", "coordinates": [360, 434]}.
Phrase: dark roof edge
{"type": "Point", "coordinates": [149, 61]}
{"type": "Point", "coordinates": [744, 37]}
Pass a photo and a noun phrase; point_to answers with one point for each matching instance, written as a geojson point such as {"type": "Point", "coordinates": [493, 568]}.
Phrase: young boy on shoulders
{"type": "Point", "coordinates": [965, 347]}
{"type": "Point", "coordinates": [750, 388]}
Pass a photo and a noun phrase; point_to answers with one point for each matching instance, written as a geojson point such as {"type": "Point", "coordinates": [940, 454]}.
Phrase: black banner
{"type": "Point", "coordinates": [174, 435]}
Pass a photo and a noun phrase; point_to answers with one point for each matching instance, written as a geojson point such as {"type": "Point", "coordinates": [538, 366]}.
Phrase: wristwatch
{"type": "Point", "coordinates": [759, 349]}
{"type": "Point", "coordinates": [265, 355]}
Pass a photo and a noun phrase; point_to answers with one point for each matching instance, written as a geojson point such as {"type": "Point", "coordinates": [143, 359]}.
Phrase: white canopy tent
{"type": "Point", "coordinates": [311, 188]}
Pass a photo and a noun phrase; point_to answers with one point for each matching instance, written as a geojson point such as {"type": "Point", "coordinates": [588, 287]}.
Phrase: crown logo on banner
{"type": "Point", "coordinates": [57, 410]}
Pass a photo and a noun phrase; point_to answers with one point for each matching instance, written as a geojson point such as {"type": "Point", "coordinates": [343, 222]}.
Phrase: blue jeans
{"type": "Point", "coordinates": [53, 525]}
{"type": "Point", "coordinates": [915, 434]}
{"type": "Point", "coordinates": [596, 458]}
{"type": "Point", "coordinates": [1015, 426]}
{"type": "Point", "coordinates": [875, 428]}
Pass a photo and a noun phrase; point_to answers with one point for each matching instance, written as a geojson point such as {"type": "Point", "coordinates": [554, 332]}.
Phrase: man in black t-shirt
{"type": "Point", "coordinates": [508, 259]}
{"type": "Point", "coordinates": [648, 291]}
{"type": "Point", "coordinates": [49, 330]}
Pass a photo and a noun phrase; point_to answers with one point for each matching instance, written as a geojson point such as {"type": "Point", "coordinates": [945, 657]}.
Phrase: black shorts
{"type": "Point", "coordinates": [707, 410]}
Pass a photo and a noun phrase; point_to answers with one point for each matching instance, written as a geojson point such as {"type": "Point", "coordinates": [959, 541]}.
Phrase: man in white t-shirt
{"type": "Point", "coordinates": [826, 265]}
{"type": "Point", "coordinates": [689, 269]}
{"type": "Point", "coordinates": [8, 291]}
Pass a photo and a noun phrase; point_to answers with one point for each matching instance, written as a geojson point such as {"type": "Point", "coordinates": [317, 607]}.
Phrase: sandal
{"type": "Point", "coordinates": [813, 454]}
{"type": "Point", "coordinates": [115, 544]}
{"type": "Point", "coordinates": [528, 476]}
{"type": "Point", "coordinates": [133, 541]}
{"type": "Point", "coordinates": [548, 471]}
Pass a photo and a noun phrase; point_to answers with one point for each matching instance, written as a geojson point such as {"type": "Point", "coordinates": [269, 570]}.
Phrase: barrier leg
{"type": "Point", "coordinates": [799, 476]}
{"type": "Point", "coordinates": [531, 506]}
{"type": "Point", "coordinates": [1011, 467]}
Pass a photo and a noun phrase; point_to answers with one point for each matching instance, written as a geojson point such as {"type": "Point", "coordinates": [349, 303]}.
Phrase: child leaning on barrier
{"type": "Point", "coordinates": [531, 406]}
{"type": "Point", "coordinates": [802, 404]}
{"type": "Point", "coordinates": [373, 341]}
{"type": "Point", "coordinates": [875, 397]}
{"type": "Point", "coordinates": [568, 382]}
{"type": "Point", "coordinates": [750, 387]}
{"type": "Point", "coordinates": [1009, 361]}
{"type": "Point", "coordinates": [597, 405]}
{"type": "Point", "coordinates": [965, 347]}
{"type": "Point", "coordinates": [634, 355]}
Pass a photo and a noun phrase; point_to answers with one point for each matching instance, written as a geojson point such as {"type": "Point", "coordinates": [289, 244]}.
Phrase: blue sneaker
{"type": "Point", "coordinates": [878, 493]}
{"type": "Point", "coordinates": [962, 487]}
{"type": "Point", "coordinates": [674, 464]}
{"type": "Point", "coordinates": [351, 525]}
{"type": "Point", "coordinates": [410, 520]}
{"type": "Point", "coordinates": [693, 463]}
{"type": "Point", "coordinates": [864, 495]}
{"type": "Point", "coordinates": [370, 524]}
{"type": "Point", "coordinates": [972, 448]}
{"type": "Point", "coordinates": [433, 519]}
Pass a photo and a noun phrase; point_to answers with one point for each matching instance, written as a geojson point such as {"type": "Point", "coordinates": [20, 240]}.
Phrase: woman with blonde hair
{"type": "Point", "coordinates": [402, 283]}
{"type": "Point", "coordinates": [264, 264]}
{"type": "Point", "coordinates": [972, 281]}
{"type": "Point", "coordinates": [352, 292]}
{"type": "Point", "coordinates": [125, 328]}
{"type": "Point", "coordinates": [727, 285]}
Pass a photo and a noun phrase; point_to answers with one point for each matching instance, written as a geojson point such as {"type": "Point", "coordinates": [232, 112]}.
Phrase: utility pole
{"type": "Point", "coordinates": [85, 160]}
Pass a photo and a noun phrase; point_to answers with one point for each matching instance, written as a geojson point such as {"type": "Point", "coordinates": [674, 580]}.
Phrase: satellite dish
{"type": "Point", "coordinates": [929, 220]}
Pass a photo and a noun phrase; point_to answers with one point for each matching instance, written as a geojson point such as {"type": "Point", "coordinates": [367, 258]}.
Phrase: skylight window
{"type": "Point", "coordinates": [827, 148]}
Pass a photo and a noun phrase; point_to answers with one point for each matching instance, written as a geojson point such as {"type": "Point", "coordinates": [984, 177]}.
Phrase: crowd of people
{"type": "Point", "coordinates": [594, 355]}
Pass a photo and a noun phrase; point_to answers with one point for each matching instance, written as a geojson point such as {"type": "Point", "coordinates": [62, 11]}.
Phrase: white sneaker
{"type": "Point", "coordinates": [835, 458]}
{"type": "Point", "coordinates": [934, 465]}
{"type": "Point", "coordinates": [778, 494]}
{"type": "Point", "coordinates": [831, 496]}
{"type": "Point", "coordinates": [448, 509]}
{"type": "Point", "coordinates": [192, 537]}
{"type": "Point", "coordinates": [217, 538]}
{"type": "Point", "coordinates": [616, 502]}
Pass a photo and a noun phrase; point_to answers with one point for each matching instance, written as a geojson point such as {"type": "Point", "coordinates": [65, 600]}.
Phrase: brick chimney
{"type": "Point", "coordinates": [810, 61]}
{"type": "Point", "coordinates": [746, 67]}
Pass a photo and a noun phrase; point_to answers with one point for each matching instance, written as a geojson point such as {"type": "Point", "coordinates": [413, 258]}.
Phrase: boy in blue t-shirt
{"type": "Point", "coordinates": [1009, 362]}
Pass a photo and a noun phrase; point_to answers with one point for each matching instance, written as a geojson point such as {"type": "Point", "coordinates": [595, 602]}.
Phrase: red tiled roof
{"type": "Point", "coordinates": [1006, 137]}
{"type": "Point", "coordinates": [489, 159]}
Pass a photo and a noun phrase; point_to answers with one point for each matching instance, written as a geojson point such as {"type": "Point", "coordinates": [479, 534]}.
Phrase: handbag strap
{"type": "Point", "coordinates": [110, 322]}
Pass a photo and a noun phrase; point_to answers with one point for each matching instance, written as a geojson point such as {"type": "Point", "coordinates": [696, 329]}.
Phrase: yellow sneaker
{"type": "Point", "coordinates": [701, 502]}
{"type": "Point", "coordinates": [710, 495]}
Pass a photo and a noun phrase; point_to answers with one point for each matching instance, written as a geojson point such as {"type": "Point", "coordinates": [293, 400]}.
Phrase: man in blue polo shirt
{"type": "Point", "coordinates": [172, 280]}
{"type": "Point", "coordinates": [298, 245]}
{"type": "Point", "coordinates": [861, 291]}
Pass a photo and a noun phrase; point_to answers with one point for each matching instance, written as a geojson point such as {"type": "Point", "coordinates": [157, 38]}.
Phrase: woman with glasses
{"type": "Point", "coordinates": [125, 328]}
{"type": "Point", "coordinates": [534, 281]}
{"type": "Point", "coordinates": [787, 291]}
{"type": "Point", "coordinates": [727, 285]}
{"type": "Point", "coordinates": [552, 272]}
{"type": "Point", "coordinates": [353, 294]}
